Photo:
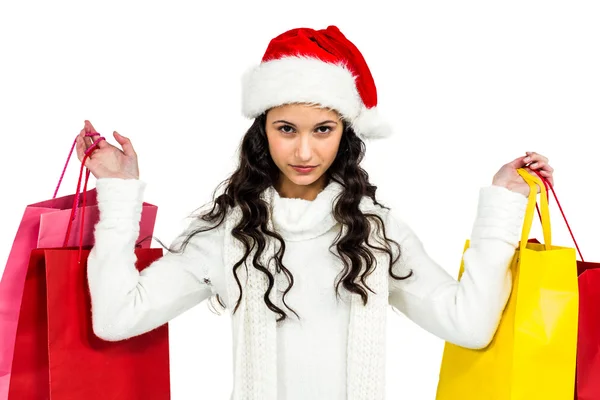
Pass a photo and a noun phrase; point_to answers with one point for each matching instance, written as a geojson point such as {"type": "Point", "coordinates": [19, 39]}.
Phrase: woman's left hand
{"type": "Point", "coordinates": [508, 177]}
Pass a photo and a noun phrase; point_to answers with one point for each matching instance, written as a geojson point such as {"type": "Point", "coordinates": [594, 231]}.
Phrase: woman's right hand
{"type": "Point", "coordinates": [106, 160]}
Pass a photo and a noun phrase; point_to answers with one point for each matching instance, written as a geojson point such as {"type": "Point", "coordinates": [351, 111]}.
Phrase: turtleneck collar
{"type": "Point", "coordinates": [298, 219]}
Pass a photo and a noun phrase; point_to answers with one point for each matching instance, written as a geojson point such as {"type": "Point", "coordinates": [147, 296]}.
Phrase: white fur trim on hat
{"type": "Point", "coordinates": [302, 79]}
{"type": "Point", "coordinates": [369, 124]}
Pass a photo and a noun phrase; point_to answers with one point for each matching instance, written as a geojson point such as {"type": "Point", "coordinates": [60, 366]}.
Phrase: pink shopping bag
{"type": "Point", "coordinates": [45, 225]}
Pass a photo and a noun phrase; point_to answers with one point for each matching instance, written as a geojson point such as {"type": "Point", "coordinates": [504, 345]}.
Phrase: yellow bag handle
{"type": "Point", "coordinates": [532, 181]}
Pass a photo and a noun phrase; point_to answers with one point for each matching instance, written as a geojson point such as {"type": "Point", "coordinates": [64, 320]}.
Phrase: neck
{"type": "Point", "coordinates": [289, 189]}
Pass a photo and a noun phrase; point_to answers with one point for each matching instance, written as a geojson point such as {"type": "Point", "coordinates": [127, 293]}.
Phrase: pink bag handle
{"type": "Point", "coordinates": [549, 185]}
{"type": "Point", "coordinates": [62, 175]}
{"type": "Point", "coordinates": [76, 199]}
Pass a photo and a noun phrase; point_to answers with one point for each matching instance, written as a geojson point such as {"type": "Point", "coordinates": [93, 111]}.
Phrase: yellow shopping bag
{"type": "Point", "coordinates": [532, 355]}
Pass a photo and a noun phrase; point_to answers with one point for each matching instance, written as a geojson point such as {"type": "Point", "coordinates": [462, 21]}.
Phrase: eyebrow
{"type": "Point", "coordinates": [291, 124]}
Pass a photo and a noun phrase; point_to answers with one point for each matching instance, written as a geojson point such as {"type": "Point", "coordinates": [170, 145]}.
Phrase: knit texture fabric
{"type": "Point", "coordinates": [255, 325]}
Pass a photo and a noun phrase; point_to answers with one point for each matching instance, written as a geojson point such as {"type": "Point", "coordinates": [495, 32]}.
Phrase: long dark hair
{"type": "Point", "coordinates": [257, 171]}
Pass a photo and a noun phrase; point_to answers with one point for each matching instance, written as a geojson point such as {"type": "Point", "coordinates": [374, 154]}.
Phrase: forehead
{"type": "Point", "coordinates": [303, 111]}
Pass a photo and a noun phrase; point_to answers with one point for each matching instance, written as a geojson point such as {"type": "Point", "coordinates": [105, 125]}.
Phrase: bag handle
{"type": "Point", "coordinates": [549, 185]}
{"type": "Point", "coordinates": [62, 175]}
{"type": "Point", "coordinates": [76, 199]}
{"type": "Point", "coordinates": [532, 181]}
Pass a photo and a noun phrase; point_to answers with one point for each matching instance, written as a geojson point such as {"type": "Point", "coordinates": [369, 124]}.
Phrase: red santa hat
{"type": "Point", "coordinates": [319, 67]}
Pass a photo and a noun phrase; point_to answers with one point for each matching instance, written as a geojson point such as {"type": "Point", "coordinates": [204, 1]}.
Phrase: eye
{"type": "Point", "coordinates": [284, 129]}
{"type": "Point", "coordinates": [324, 129]}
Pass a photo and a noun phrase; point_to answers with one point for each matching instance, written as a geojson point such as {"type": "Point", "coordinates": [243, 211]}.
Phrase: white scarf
{"type": "Point", "coordinates": [254, 325]}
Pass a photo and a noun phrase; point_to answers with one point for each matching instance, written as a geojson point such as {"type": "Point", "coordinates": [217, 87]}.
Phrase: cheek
{"type": "Point", "coordinates": [329, 151]}
{"type": "Point", "coordinates": [277, 149]}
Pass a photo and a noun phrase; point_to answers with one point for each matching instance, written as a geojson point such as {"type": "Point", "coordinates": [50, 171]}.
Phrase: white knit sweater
{"type": "Point", "coordinates": [311, 352]}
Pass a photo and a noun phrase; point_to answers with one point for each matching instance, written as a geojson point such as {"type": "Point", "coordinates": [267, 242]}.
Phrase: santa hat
{"type": "Point", "coordinates": [320, 67]}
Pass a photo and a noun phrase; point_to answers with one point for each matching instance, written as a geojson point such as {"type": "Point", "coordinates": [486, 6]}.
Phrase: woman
{"type": "Point", "coordinates": [296, 245]}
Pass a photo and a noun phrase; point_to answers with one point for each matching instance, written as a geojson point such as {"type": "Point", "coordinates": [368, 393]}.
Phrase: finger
{"type": "Point", "coordinates": [88, 141]}
{"type": "Point", "coordinates": [533, 156]}
{"type": "Point", "coordinates": [80, 147]}
{"type": "Point", "coordinates": [92, 134]}
{"type": "Point", "coordinates": [84, 140]}
{"type": "Point", "coordinates": [544, 173]}
{"type": "Point", "coordinates": [545, 167]}
{"type": "Point", "coordinates": [530, 171]}
{"type": "Point", "coordinates": [518, 162]}
{"type": "Point", "coordinates": [548, 176]}
{"type": "Point", "coordinates": [537, 165]}
{"type": "Point", "coordinates": [101, 143]}
{"type": "Point", "coordinates": [89, 128]}
{"type": "Point", "coordinates": [91, 152]}
{"type": "Point", "coordinates": [541, 166]}
{"type": "Point", "coordinates": [125, 144]}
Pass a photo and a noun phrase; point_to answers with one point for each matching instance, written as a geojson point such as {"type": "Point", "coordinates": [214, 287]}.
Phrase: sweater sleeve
{"type": "Point", "coordinates": [466, 313]}
{"type": "Point", "coordinates": [125, 302]}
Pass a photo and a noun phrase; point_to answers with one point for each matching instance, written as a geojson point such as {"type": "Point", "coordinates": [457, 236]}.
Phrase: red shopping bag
{"type": "Point", "coordinates": [57, 355]}
{"type": "Point", "coordinates": [587, 372]}
{"type": "Point", "coordinates": [44, 225]}
{"type": "Point", "coordinates": [588, 339]}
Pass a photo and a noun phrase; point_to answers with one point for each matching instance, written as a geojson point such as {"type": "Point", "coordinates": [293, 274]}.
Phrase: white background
{"type": "Point", "coordinates": [468, 85]}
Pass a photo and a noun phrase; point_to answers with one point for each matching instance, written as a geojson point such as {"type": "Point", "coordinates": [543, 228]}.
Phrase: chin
{"type": "Point", "coordinates": [304, 180]}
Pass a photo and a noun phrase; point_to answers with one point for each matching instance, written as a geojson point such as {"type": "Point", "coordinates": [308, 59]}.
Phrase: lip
{"type": "Point", "coordinates": [303, 170]}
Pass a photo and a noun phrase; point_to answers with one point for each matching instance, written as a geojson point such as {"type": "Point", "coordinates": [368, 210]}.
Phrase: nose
{"type": "Point", "coordinates": [303, 148]}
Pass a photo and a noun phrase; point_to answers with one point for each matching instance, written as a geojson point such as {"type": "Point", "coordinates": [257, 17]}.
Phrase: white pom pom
{"type": "Point", "coordinates": [370, 125]}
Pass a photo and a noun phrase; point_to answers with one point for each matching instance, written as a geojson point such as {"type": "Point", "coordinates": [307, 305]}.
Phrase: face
{"type": "Point", "coordinates": [303, 142]}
